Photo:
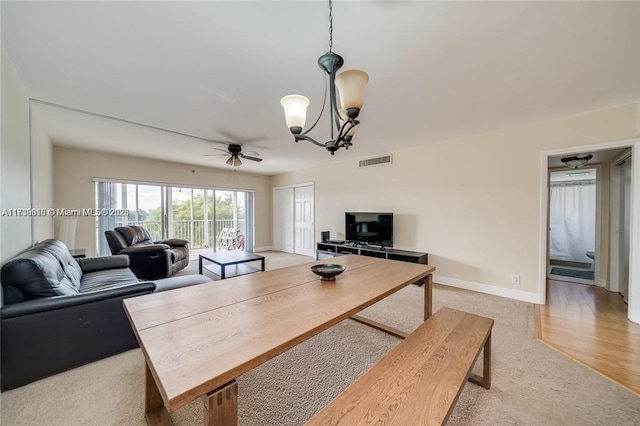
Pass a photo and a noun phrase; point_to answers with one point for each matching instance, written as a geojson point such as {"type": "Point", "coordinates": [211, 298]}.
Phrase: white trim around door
{"type": "Point", "coordinates": [633, 313]}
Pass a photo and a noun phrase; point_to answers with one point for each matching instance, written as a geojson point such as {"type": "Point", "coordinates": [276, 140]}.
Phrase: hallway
{"type": "Point", "coordinates": [589, 325]}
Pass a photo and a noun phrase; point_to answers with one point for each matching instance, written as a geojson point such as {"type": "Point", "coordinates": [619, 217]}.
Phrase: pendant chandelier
{"type": "Point", "coordinates": [345, 92]}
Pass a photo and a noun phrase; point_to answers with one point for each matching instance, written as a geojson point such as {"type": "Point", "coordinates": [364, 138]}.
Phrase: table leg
{"type": "Point", "coordinates": [262, 261]}
{"type": "Point", "coordinates": [428, 299]}
{"type": "Point", "coordinates": [200, 265]}
{"type": "Point", "coordinates": [222, 271]}
{"type": "Point", "coordinates": [485, 380]}
{"type": "Point", "coordinates": [155, 410]}
{"type": "Point", "coordinates": [486, 367]}
{"type": "Point", "coordinates": [221, 406]}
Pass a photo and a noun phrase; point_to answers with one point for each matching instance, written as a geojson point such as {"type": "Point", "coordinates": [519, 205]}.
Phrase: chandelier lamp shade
{"type": "Point", "coordinates": [346, 92]}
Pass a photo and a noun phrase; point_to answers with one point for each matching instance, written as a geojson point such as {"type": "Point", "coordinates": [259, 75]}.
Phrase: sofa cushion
{"type": "Point", "coordinates": [68, 263]}
{"type": "Point", "coordinates": [93, 264]}
{"type": "Point", "coordinates": [105, 279]}
{"type": "Point", "coordinates": [42, 271]}
{"type": "Point", "coordinates": [134, 234]}
{"type": "Point", "coordinates": [11, 295]}
{"type": "Point", "coordinates": [116, 241]}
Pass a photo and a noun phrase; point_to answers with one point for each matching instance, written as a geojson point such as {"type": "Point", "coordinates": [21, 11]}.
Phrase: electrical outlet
{"type": "Point", "coordinates": [515, 279]}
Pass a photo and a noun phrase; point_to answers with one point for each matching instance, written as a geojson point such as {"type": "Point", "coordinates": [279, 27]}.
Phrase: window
{"type": "Point", "coordinates": [208, 218]}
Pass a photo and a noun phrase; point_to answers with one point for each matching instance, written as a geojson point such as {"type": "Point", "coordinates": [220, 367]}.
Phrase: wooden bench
{"type": "Point", "coordinates": [418, 381]}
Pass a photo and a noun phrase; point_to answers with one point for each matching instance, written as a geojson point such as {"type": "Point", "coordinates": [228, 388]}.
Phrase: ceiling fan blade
{"type": "Point", "coordinates": [226, 151]}
{"type": "Point", "coordinates": [251, 158]}
{"type": "Point", "coordinates": [254, 153]}
{"type": "Point", "coordinates": [215, 155]}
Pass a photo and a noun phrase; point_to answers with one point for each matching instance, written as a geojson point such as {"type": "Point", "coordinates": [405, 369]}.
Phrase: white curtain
{"type": "Point", "coordinates": [572, 211]}
{"type": "Point", "coordinates": [106, 199]}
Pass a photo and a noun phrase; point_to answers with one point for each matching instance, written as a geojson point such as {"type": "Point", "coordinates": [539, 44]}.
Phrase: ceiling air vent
{"type": "Point", "coordinates": [377, 161]}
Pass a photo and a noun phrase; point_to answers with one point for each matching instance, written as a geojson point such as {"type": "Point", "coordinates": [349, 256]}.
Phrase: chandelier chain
{"type": "Point", "coordinates": [330, 26]}
{"type": "Point", "coordinates": [295, 106]}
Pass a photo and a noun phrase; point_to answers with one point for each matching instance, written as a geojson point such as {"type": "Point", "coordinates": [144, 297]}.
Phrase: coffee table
{"type": "Point", "coordinates": [235, 258]}
{"type": "Point", "coordinates": [197, 340]}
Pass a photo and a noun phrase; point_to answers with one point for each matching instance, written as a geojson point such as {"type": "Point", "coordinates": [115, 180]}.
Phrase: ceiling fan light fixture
{"type": "Point", "coordinates": [234, 161]}
{"type": "Point", "coordinates": [576, 162]}
{"type": "Point", "coordinates": [234, 151]}
{"type": "Point", "coordinates": [346, 93]}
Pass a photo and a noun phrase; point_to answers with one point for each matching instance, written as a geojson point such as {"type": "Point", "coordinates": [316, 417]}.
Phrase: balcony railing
{"type": "Point", "coordinates": [199, 233]}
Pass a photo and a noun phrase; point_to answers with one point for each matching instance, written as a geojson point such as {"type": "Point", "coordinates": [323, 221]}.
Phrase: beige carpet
{"type": "Point", "coordinates": [532, 384]}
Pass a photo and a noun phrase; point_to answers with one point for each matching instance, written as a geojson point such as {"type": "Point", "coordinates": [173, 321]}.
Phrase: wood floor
{"type": "Point", "coordinates": [589, 324]}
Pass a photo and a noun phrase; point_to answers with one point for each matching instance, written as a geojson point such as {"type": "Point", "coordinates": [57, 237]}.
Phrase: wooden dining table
{"type": "Point", "coordinates": [197, 340]}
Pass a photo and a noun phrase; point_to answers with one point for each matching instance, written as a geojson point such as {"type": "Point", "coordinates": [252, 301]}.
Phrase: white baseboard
{"type": "Point", "coordinates": [266, 248]}
{"type": "Point", "coordinates": [271, 248]}
{"type": "Point", "coordinates": [510, 293]}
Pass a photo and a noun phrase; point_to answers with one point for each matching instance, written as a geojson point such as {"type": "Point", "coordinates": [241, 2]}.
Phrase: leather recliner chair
{"type": "Point", "coordinates": [149, 259]}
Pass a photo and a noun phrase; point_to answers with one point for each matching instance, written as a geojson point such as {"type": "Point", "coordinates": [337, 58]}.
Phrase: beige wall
{"type": "Point", "coordinates": [42, 178]}
{"type": "Point", "coordinates": [472, 203]}
{"type": "Point", "coordinates": [74, 171]}
{"type": "Point", "coordinates": [15, 232]}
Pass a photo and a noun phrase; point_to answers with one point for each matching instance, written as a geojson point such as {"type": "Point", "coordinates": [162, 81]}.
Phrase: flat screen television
{"type": "Point", "coordinates": [369, 228]}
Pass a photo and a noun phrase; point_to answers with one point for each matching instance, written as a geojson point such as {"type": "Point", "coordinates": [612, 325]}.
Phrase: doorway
{"type": "Point", "coordinates": [604, 232]}
{"type": "Point", "coordinates": [579, 316]}
{"type": "Point", "coordinates": [572, 225]}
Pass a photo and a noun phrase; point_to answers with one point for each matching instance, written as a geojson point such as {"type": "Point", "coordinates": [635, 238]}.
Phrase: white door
{"type": "Point", "coordinates": [283, 220]}
{"type": "Point", "coordinates": [303, 226]}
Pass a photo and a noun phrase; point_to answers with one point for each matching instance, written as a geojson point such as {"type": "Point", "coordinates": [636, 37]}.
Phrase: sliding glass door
{"type": "Point", "coordinates": [232, 229]}
{"type": "Point", "coordinates": [146, 208]}
{"type": "Point", "coordinates": [211, 219]}
{"type": "Point", "coordinates": [191, 215]}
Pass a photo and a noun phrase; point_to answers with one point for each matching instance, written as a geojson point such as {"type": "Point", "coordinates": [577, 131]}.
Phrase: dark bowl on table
{"type": "Point", "coordinates": [327, 271]}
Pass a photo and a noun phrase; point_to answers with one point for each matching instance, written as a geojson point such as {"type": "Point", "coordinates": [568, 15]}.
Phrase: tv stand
{"type": "Point", "coordinates": [327, 250]}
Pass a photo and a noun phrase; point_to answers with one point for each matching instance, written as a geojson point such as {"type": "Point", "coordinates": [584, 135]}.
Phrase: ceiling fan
{"type": "Point", "coordinates": [234, 151]}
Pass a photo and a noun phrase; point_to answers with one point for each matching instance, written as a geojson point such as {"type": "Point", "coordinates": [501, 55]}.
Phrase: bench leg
{"type": "Point", "coordinates": [485, 380]}
{"type": "Point", "coordinates": [221, 406]}
{"type": "Point", "coordinates": [428, 299]}
{"type": "Point", "coordinates": [155, 411]}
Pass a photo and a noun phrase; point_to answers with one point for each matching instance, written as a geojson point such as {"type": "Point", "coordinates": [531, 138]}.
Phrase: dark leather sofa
{"type": "Point", "coordinates": [149, 259]}
{"type": "Point", "coordinates": [60, 313]}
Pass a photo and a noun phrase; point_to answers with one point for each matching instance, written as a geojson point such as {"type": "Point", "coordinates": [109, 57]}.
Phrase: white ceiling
{"type": "Point", "coordinates": [217, 70]}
